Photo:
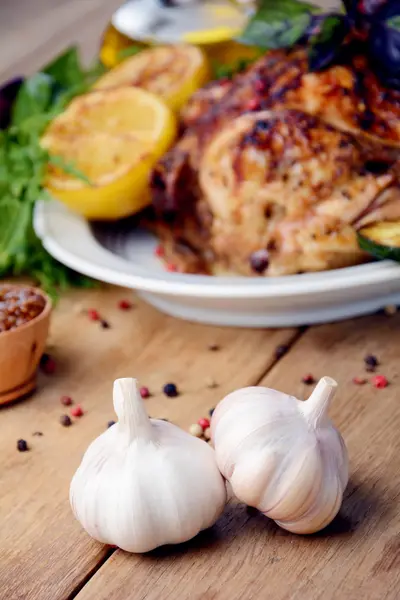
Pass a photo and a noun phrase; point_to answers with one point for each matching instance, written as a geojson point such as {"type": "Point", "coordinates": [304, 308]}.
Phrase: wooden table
{"type": "Point", "coordinates": [44, 553]}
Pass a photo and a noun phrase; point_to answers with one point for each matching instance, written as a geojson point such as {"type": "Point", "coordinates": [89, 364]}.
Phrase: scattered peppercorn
{"type": "Point", "coordinates": [211, 412]}
{"type": "Point", "coordinates": [207, 433]}
{"type": "Point", "coordinates": [37, 433]}
{"type": "Point", "coordinates": [22, 446]}
{"type": "Point", "coordinates": [105, 324]}
{"type": "Point", "coordinates": [93, 314]}
{"type": "Point", "coordinates": [170, 390]}
{"type": "Point", "coordinates": [77, 411]}
{"type": "Point", "coordinates": [65, 420]}
{"type": "Point", "coordinates": [308, 379]}
{"type": "Point", "coordinates": [379, 381]}
{"type": "Point", "coordinates": [110, 424]}
{"type": "Point", "coordinates": [47, 364]}
{"type": "Point", "coordinates": [371, 360]}
{"type": "Point", "coordinates": [281, 351]}
{"type": "Point", "coordinates": [214, 347]}
{"type": "Point", "coordinates": [211, 383]}
{"type": "Point", "coordinates": [204, 423]}
{"type": "Point", "coordinates": [159, 251]}
{"type": "Point", "coordinates": [259, 261]}
{"type": "Point", "coordinates": [171, 268]}
{"type": "Point", "coordinates": [145, 392]}
{"type": "Point", "coordinates": [196, 430]}
{"type": "Point", "coordinates": [253, 104]}
{"type": "Point", "coordinates": [359, 380]}
{"type": "Point", "coordinates": [66, 400]}
{"type": "Point", "coordinates": [124, 305]}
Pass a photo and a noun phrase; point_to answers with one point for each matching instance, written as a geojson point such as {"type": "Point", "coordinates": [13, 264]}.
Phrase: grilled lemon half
{"type": "Point", "coordinates": [113, 137]}
{"type": "Point", "coordinates": [172, 72]}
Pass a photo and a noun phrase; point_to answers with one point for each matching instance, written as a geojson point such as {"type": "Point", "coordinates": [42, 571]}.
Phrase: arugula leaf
{"type": "Point", "coordinates": [127, 52]}
{"type": "Point", "coordinates": [68, 168]}
{"type": "Point", "coordinates": [66, 69]}
{"type": "Point", "coordinates": [278, 23]}
{"type": "Point", "coordinates": [394, 22]}
{"type": "Point", "coordinates": [23, 165]}
{"type": "Point", "coordinates": [224, 71]}
{"type": "Point", "coordinates": [33, 98]}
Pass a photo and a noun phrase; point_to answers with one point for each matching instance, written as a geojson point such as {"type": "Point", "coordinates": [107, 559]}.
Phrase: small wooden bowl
{"type": "Point", "coordinates": [20, 352]}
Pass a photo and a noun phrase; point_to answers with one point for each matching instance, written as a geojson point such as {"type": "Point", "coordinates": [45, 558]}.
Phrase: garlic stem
{"type": "Point", "coordinates": [316, 407]}
{"type": "Point", "coordinates": [129, 406]}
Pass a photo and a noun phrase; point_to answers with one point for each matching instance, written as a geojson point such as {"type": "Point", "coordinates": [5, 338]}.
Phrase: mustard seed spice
{"type": "Point", "coordinates": [19, 305]}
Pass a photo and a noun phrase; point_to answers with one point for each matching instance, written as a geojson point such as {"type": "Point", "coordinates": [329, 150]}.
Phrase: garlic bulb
{"type": "Point", "coordinates": [281, 455]}
{"type": "Point", "coordinates": [144, 482]}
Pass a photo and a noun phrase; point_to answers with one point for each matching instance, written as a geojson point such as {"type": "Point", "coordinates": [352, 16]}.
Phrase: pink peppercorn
{"type": "Point", "coordinates": [66, 400]}
{"type": "Point", "coordinates": [359, 380]}
{"type": "Point", "coordinates": [204, 423]}
{"type": "Point", "coordinates": [379, 381]}
{"type": "Point", "coordinates": [48, 364]}
{"type": "Point", "coordinates": [171, 268]}
{"type": "Point", "coordinates": [77, 411]}
{"type": "Point", "coordinates": [124, 304]}
{"type": "Point", "coordinates": [159, 251]}
{"type": "Point", "coordinates": [252, 104]}
{"type": "Point", "coordinates": [308, 379]}
{"type": "Point", "coordinates": [144, 392]}
{"type": "Point", "coordinates": [93, 314]}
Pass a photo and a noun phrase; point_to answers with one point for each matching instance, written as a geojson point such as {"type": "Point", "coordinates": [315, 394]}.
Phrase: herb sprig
{"type": "Point", "coordinates": [23, 163]}
{"type": "Point", "coordinates": [369, 27]}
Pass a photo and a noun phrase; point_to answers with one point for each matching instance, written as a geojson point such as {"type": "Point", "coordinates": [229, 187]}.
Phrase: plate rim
{"type": "Point", "coordinates": [120, 271]}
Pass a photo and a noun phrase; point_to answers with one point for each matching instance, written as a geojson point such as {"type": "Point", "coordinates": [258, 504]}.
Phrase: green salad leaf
{"type": "Point", "coordinates": [23, 164]}
{"type": "Point", "coordinates": [278, 23]}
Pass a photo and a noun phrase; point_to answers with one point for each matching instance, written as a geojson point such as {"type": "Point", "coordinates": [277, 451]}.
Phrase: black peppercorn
{"type": "Point", "coordinates": [170, 390]}
{"type": "Point", "coordinates": [211, 412]}
{"type": "Point", "coordinates": [105, 324]}
{"type": "Point", "coordinates": [259, 261]}
{"type": "Point", "coordinates": [65, 420]}
{"type": "Point", "coordinates": [110, 424]}
{"type": "Point", "coordinates": [371, 361]}
{"type": "Point", "coordinates": [22, 446]}
{"type": "Point", "coordinates": [308, 379]}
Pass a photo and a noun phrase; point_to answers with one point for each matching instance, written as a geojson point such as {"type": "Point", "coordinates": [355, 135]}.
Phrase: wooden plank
{"type": "Point", "coordinates": [246, 556]}
{"type": "Point", "coordinates": [32, 33]}
{"type": "Point", "coordinates": [45, 555]}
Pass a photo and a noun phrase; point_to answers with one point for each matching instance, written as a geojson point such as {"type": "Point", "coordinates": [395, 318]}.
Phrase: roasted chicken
{"type": "Point", "coordinates": [276, 167]}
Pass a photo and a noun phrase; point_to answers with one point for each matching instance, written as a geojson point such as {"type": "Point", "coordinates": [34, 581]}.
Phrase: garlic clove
{"type": "Point", "coordinates": [144, 482]}
{"type": "Point", "coordinates": [281, 455]}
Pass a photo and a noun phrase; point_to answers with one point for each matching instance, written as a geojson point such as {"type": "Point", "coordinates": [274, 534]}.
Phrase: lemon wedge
{"type": "Point", "coordinates": [114, 137]}
{"type": "Point", "coordinates": [172, 72]}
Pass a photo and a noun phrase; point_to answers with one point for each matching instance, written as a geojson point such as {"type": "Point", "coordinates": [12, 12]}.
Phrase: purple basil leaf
{"type": "Point", "coordinates": [8, 93]}
{"type": "Point", "coordinates": [326, 45]}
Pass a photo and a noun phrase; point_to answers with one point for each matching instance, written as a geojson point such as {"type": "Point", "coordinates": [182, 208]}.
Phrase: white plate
{"type": "Point", "coordinates": [120, 254]}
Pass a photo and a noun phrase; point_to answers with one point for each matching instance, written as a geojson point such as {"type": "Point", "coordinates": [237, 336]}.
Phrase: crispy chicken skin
{"type": "Point", "coordinates": [280, 161]}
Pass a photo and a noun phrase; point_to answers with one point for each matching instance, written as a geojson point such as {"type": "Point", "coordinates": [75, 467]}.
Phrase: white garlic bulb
{"type": "Point", "coordinates": [281, 455]}
{"type": "Point", "coordinates": [144, 482]}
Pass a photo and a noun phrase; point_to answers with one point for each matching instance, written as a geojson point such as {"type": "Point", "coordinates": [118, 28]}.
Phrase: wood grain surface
{"type": "Point", "coordinates": [246, 556]}
{"type": "Point", "coordinates": [46, 556]}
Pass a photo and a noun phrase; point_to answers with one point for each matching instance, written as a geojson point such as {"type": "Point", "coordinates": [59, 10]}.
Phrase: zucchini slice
{"type": "Point", "coordinates": [381, 240]}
